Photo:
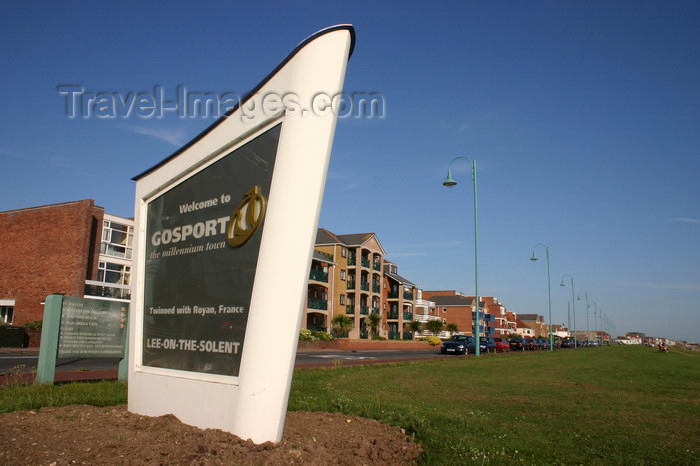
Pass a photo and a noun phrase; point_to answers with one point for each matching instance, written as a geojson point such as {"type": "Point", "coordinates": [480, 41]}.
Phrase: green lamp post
{"type": "Point", "coordinates": [595, 320]}
{"type": "Point", "coordinates": [449, 182]}
{"type": "Point", "coordinates": [588, 329]}
{"type": "Point", "coordinates": [573, 304]}
{"type": "Point", "coordinates": [549, 291]}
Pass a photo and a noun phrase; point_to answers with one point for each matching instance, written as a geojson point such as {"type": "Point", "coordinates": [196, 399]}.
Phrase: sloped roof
{"type": "Point", "coordinates": [525, 317]}
{"type": "Point", "coordinates": [399, 278]}
{"type": "Point", "coordinates": [324, 236]}
{"type": "Point", "coordinates": [452, 300]}
{"type": "Point", "coordinates": [355, 239]}
{"type": "Point", "coordinates": [322, 257]}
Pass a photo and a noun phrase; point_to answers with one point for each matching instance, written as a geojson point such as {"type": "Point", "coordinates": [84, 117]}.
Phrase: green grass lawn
{"type": "Point", "coordinates": [616, 405]}
{"type": "Point", "coordinates": [623, 405]}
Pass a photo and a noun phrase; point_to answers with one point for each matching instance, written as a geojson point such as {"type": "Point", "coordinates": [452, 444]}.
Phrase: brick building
{"type": "Point", "coordinates": [535, 323]}
{"type": "Point", "coordinates": [56, 249]}
{"type": "Point", "coordinates": [350, 276]}
{"type": "Point", "coordinates": [455, 308]}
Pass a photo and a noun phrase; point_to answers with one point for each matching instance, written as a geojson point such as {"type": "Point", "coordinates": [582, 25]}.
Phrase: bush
{"type": "Point", "coordinates": [308, 335]}
{"type": "Point", "coordinates": [323, 336]}
{"type": "Point", "coordinates": [434, 341]}
{"type": "Point", "coordinates": [378, 338]}
{"type": "Point", "coordinates": [33, 325]}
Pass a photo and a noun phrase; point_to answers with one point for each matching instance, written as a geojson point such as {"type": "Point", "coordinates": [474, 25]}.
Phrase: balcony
{"type": "Point", "coordinates": [408, 316]}
{"type": "Point", "coordinates": [408, 295]}
{"type": "Point", "coordinates": [394, 335]}
{"type": "Point", "coordinates": [375, 310]}
{"type": "Point", "coordinates": [407, 336]}
{"type": "Point", "coordinates": [315, 303]}
{"type": "Point", "coordinates": [376, 289]}
{"type": "Point", "coordinates": [365, 262]}
{"type": "Point", "coordinates": [319, 276]}
{"type": "Point", "coordinates": [393, 315]}
{"type": "Point", "coordinates": [426, 317]}
{"type": "Point", "coordinates": [351, 261]}
{"type": "Point", "coordinates": [364, 310]}
{"type": "Point", "coordinates": [364, 286]}
{"type": "Point", "coordinates": [393, 295]}
{"type": "Point", "coordinates": [364, 334]}
{"type": "Point", "coordinates": [350, 309]}
{"type": "Point", "coordinates": [377, 266]}
{"type": "Point", "coordinates": [351, 285]}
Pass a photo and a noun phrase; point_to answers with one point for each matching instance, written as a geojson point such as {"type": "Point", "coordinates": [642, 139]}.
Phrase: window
{"type": "Point", "coordinates": [344, 251]}
{"type": "Point", "coordinates": [342, 299]}
{"type": "Point", "coordinates": [342, 274]}
{"type": "Point", "coordinates": [7, 314]}
{"type": "Point", "coordinates": [114, 273]}
{"type": "Point", "coordinates": [117, 239]}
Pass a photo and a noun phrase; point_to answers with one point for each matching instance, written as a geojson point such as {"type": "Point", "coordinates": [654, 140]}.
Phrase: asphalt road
{"type": "Point", "coordinates": [28, 362]}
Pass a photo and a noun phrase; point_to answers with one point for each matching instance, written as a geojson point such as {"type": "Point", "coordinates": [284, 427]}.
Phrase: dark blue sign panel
{"type": "Point", "coordinates": [202, 244]}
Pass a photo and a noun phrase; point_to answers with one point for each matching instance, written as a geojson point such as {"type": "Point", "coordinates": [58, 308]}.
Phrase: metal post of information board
{"type": "Point", "coordinates": [48, 351]}
{"type": "Point", "coordinates": [124, 362]}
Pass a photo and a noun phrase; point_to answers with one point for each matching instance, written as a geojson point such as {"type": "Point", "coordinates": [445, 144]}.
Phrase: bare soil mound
{"type": "Point", "coordinates": [88, 435]}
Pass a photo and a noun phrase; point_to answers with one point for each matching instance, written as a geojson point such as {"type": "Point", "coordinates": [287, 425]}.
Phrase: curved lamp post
{"type": "Point", "coordinates": [595, 320]}
{"type": "Point", "coordinates": [573, 303]}
{"type": "Point", "coordinates": [588, 329]}
{"type": "Point", "coordinates": [549, 291]}
{"type": "Point", "coordinates": [449, 182]}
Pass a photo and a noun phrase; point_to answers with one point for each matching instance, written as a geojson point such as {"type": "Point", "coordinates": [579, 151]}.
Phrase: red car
{"type": "Point", "coordinates": [502, 344]}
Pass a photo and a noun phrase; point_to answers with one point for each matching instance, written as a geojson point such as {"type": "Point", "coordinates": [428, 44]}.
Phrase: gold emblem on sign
{"type": "Point", "coordinates": [247, 218]}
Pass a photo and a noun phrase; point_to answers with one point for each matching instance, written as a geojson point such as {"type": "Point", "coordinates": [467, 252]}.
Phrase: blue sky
{"type": "Point", "coordinates": [583, 118]}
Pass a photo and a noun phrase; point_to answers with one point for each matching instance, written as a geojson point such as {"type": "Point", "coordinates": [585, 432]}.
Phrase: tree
{"type": "Point", "coordinates": [415, 326]}
{"type": "Point", "coordinates": [342, 323]}
{"type": "Point", "coordinates": [373, 320]}
{"type": "Point", "coordinates": [434, 326]}
{"type": "Point", "coordinates": [452, 327]}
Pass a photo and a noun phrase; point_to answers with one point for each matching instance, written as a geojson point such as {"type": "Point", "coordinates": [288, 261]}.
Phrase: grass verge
{"type": "Point", "coordinates": [625, 405]}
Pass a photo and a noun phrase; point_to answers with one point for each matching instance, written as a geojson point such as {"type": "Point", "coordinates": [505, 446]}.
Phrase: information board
{"type": "Point", "coordinates": [92, 328]}
{"type": "Point", "coordinates": [202, 245]}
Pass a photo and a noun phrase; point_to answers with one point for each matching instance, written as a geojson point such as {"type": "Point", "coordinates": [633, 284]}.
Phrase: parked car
{"type": "Point", "coordinates": [457, 344]}
{"type": "Point", "coordinates": [531, 344]}
{"type": "Point", "coordinates": [567, 343]}
{"type": "Point", "coordinates": [544, 343]}
{"type": "Point", "coordinates": [502, 344]}
{"type": "Point", "coordinates": [471, 347]}
{"type": "Point", "coordinates": [517, 344]}
{"type": "Point", "coordinates": [490, 344]}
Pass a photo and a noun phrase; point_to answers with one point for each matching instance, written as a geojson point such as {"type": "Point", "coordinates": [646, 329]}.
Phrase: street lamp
{"type": "Point", "coordinates": [588, 329]}
{"type": "Point", "coordinates": [549, 291]}
{"type": "Point", "coordinates": [573, 304]}
{"type": "Point", "coordinates": [449, 182]}
{"type": "Point", "coordinates": [595, 320]}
